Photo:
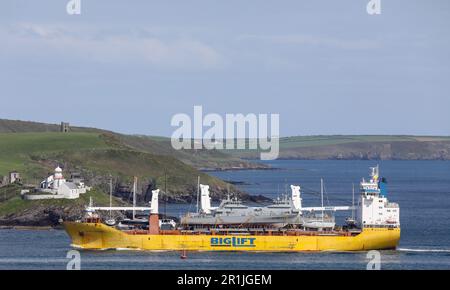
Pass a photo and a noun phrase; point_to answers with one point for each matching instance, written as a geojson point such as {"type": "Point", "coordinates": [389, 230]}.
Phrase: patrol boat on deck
{"type": "Point", "coordinates": [377, 226]}
{"type": "Point", "coordinates": [232, 213]}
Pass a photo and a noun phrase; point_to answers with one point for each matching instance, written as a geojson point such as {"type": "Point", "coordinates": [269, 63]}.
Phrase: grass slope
{"type": "Point", "coordinates": [196, 158]}
{"type": "Point", "coordinates": [150, 144]}
{"type": "Point", "coordinates": [18, 150]}
{"type": "Point", "coordinates": [98, 156]}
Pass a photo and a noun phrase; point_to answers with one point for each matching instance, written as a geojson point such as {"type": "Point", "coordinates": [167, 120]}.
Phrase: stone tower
{"type": "Point", "coordinates": [65, 127]}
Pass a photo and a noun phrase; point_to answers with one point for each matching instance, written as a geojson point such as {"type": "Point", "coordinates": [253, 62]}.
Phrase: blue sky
{"type": "Point", "coordinates": [327, 67]}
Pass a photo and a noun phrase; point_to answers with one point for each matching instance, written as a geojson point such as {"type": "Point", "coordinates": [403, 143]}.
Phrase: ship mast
{"type": "Point", "coordinates": [165, 192]}
{"type": "Point", "coordinates": [134, 197]}
{"type": "Point", "coordinates": [321, 194]}
{"type": "Point", "coordinates": [110, 198]}
{"type": "Point", "coordinates": [353, 201]}
{"type": "Point", "coordinates": [198, 191]}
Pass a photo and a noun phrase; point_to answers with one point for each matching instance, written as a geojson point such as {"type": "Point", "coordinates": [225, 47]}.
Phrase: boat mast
{"type": "Point", "coordinates": [198, 191]}
{"type": "Point", "coordinates": [353, 201]}
{"type": "Point", "coordinates": [134, 197]}
{"type": "Point", "coordinates": [110, 198]}
{"type": "Point", "coordinates": [165, 192]}
{"type": "Point", "coordinates": [321, 194]}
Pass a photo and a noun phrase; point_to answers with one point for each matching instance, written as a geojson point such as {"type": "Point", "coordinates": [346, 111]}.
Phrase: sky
{"type": "Point", "coordinates": [326, 67]}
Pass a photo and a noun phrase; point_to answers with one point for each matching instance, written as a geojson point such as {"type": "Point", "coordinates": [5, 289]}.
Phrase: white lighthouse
{"type": "Point", "coordinates": [58, 178]}
{"type": "Point", "coordinates": [55, 186]}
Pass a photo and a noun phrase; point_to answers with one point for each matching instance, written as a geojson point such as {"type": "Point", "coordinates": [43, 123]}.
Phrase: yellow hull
{"type": "Point", "coordinates": [100, 236]}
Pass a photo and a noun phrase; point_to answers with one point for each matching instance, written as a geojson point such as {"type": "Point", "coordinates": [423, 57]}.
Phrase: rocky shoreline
{"type": "Point", "coordinates": [30, 228]}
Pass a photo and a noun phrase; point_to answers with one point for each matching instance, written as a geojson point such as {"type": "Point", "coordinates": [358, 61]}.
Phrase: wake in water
{"type": "Point", "coordinates": [424, 250]}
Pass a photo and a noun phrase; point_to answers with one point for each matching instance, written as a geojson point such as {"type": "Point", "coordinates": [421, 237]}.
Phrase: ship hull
{"type": "Point", "coordinates": [98, 236]}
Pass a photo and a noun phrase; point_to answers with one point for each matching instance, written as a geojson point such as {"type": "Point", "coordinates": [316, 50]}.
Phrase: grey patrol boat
{"type": "Point", "coordinates": [284, 212]}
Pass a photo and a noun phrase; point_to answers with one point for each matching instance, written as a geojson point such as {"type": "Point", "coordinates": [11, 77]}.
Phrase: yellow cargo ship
{"type": "Point", "coordinates": [100, 236]}
{"type": "Point", "coordinates": [281, 227]}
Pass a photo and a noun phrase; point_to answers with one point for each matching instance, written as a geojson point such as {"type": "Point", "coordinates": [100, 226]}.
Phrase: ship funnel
{"type": "Point", "coordinates": [154, 203]}
{"type": "Point", "coordinates": [296, 199]}
{"type": "Point", "coordinates": [205, 201]}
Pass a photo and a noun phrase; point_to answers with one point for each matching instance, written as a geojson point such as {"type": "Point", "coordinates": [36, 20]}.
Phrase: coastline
{"type": "Point", "coordinates": [29, 228]}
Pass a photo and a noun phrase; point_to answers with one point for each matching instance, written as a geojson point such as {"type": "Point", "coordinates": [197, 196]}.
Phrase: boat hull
{"type": "Point", "coordinates": [98, 236]}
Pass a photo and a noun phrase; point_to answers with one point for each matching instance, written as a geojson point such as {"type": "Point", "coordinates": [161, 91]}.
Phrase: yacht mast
{"type": "Point", "coordinates": [165, 192]}
{"type": "Point", "coordinates": [134, 197]}
{"type": "Point", "coordinates": [353, 201]}
{"type": "Point", "coordinates": [110, 198]}
{"type": "Point", "coordinates": [321, 194]}
{"type": "Point", "coordinates": [198, 191]}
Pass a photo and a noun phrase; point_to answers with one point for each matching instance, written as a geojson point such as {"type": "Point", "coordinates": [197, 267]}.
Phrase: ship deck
{"type": "Point", "coordinates": [256, 232]}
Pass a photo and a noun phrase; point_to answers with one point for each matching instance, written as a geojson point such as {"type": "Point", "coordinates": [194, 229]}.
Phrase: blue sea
{"type": "Point", "coordinates": [422, 188]}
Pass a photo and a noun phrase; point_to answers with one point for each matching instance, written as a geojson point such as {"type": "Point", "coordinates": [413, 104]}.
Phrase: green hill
{"type": "Point", "coordinates": [200, 159]}
{"type": "Point", "coordinates": [18, 150]}
{"type": "Point", "coordinates": [96, 155]}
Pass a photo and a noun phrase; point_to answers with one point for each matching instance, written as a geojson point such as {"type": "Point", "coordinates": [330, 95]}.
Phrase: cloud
{"type": "Point", "coordinates": [311, 40]}
{"type": "Point", "coordinates": [111, 47]}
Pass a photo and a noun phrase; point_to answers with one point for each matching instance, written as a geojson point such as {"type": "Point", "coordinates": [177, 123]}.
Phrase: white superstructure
{"type": "Point", "coordinates": [296, 199]}
{"type": "Point", "coordinates": [374, 208]}
{"type": "Point", "coordinates": [205, 200]}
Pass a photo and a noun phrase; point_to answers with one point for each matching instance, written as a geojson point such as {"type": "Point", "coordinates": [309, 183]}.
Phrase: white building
{"type": "Point", "coordinates": [14, 176]}
{"type": "Point", "coordinates": [55, 186]}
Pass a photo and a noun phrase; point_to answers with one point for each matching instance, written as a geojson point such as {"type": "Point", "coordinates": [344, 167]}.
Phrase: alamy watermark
{"type": "Point", "coordinates": [374, 260]}
{"type": "Point", "coordinates": [237, 131]}
{"type": "Point", "coordinates": [374, 7]}
{"type": "Point", "coordinates": [74, 262]}
{"type": "Point", "coordinates": [73, 7]}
